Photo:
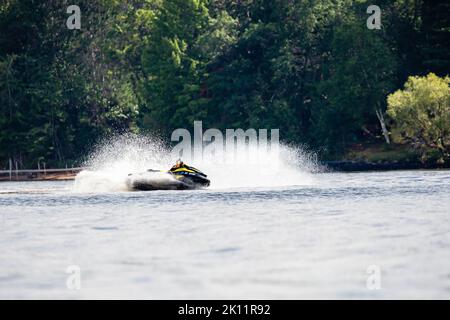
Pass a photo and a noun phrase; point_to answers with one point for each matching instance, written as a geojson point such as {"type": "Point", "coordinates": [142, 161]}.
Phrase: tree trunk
{"type": "Point", "coordinates": [383, 125]}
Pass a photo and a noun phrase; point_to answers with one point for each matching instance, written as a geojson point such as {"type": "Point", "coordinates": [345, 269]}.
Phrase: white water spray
{"type": "Point", "coordinates": [113, 159]}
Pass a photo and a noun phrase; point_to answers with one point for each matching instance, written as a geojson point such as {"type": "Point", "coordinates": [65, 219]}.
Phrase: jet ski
{"type": "Point", "coordinates": [179, 177]}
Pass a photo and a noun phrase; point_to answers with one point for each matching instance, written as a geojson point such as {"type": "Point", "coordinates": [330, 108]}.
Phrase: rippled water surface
{"type": "Point", "coordinates": [293, 242]}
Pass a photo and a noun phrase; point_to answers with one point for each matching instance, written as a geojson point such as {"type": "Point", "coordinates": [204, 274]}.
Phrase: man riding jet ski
{"type": "Point", "coordinates": [179, 177]}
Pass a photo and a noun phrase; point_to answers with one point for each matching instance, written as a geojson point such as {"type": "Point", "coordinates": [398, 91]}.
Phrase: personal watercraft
{"type": "Point", "coordinates": [179, 177]}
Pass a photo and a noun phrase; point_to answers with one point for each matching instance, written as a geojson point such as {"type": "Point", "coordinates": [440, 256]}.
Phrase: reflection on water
{"type": "Point", "coordinates": [315, 240]}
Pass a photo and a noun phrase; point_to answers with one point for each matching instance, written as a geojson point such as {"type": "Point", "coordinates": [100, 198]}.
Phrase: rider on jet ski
{"type": "Point", "coordinates": [182, 177]}
{"type": "Point", "coordinates": [181, 168]}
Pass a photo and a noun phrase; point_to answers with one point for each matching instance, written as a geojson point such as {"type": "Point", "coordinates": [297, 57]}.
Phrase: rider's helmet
{"type": "Point", "coordinates": [178, 164]}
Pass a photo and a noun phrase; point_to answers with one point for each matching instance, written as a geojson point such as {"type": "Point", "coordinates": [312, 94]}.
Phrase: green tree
{"type": "Point", "coordinates": [61, 89]}
{"type": "Point", "coordinates": [421, 115]}
{"type": "Point", "coordinates": [435, 32]}
{"type": "Point", "coordinates": [174, 65]}
{"type": "Point", "coordinates": [267, 78]}
{"type": "Point", "coordinates": [359, 75]}
{"type": "Point", "coordinates": [309, 68]}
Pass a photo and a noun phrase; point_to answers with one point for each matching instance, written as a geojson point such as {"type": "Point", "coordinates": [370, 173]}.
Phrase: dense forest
{"type": "Point", "coordinates": [313, 69]}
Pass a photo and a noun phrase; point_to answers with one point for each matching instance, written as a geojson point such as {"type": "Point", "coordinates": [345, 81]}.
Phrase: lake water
{"type": "Point", "coordinates": [340, 235]}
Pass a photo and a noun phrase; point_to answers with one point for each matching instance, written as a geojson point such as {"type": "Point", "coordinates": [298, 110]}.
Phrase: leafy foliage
{"type": "Point", "coordinates": [359, 75]}
{"type": "Point", "coordinates": [421, 112]}
{"type": "Point", "coordinates": [310, 68]}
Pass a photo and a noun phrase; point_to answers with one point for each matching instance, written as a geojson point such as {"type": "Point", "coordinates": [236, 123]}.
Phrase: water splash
{"type": "Point", "coordinates": [114, 158]}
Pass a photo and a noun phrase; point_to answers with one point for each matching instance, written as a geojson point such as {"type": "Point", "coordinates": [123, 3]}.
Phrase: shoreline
{"type": "Point", "coordinates": [328, 166]}
{"type": "Point", "coordinates": [39, 175]}
{"type": "Point", "coordinates": [364, 166]}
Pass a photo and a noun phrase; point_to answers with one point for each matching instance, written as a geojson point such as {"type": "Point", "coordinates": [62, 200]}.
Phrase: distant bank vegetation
{"type": "Point", "coordinates": [309, 68]}
{"type": "Point", "coordinates": [421, 114]}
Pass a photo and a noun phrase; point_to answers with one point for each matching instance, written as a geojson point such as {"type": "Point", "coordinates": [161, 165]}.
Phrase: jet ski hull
{"type": "Point", "coordinates": [154, 180]}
